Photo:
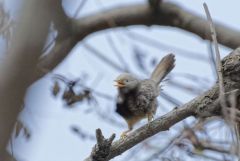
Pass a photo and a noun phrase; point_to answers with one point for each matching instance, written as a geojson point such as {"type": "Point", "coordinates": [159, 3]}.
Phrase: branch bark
{"type": "Point", "coordinates": [19, 65]}
{"type": "Point", "coordinates": [102, 148]}
{"type": "Point", "coordinates": [168, 15]}
{"type": "Point", "coordinates": [202, 106]}
{"type": "Point", "coordinates": [140, 14]}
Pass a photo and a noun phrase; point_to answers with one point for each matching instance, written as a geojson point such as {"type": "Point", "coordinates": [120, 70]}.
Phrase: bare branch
{"type": "Point", "coordinates": [212, 61]}
{"type": "Point", "coordinates": [159, 45]}
{"type": "Point", "coordinates": [101, 150]}
{"type": "Point", "coordinates": [232, 117]}
{"type": "Point", "coordinates": [80, 6]}
{"type": "Point", "coordinates": [102, 57]}
{"type": "Point", "coordinates": [168, 15]}
{"type": "Point", "coordinates": [161, 124]}
{"type": "Point", "coordinates": [20, 63]}
{"type": "Point", "coordinates": [217, 52]}
{"type": "Point", "coordinates": [201, 106]}
{"type": "Point", "coordinates": [117, 53]}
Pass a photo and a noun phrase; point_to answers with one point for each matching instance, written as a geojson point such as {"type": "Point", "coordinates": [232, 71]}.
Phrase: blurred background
{"type": "Point", "coordinates": [55, 128]}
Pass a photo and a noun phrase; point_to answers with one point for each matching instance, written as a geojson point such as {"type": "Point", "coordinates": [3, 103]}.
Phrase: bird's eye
{"type": "Point", "coordinates": [126, 80]}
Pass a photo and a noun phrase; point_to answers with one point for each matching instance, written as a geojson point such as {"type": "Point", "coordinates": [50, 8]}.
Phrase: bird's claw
{"type": "Point", "coordinates": [123, 135]}
{"type": "Point", "coordinates": [150, 118]}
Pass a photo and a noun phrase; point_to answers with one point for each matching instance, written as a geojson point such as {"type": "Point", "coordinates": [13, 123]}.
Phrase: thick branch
{"type": "Point", "coordinates": [101, 150]}
{"type": "Point", "coordinates": [19, 64]}
{"type": "Point", "coordinates": [201, 106]}
{"type": "Point", "coordinates": [168, 15]}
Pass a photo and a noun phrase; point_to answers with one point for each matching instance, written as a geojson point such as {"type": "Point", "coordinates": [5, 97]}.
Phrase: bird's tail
{"type": "Point", "coordinates": [163, 68]}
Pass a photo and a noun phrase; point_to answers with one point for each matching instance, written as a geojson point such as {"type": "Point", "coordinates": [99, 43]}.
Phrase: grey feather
{"type": "Point", "coordinates": [146, 97]}
{"type": "Point", "coordinates": [137, 99]}
{"type": "Point", "coordinates": [163, 68]}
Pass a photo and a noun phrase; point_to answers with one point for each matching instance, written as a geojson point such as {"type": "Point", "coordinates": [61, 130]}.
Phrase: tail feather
{"type": "Point", "coordinates": [163, 68]}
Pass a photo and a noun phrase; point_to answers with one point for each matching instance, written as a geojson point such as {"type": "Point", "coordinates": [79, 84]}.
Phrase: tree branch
{"type": "Point", "coordinates": [169, 15]}
{"type": "Point", "coordinates": [218, 56]}
{"type": "Point", "coordinates": [101, 150]}
{"type": "Point", "coordinates": [202, 106]}
{"type": "Point", "coordinates": [20, 63]}
{"type": "Point", "coordinates": [140, 14]}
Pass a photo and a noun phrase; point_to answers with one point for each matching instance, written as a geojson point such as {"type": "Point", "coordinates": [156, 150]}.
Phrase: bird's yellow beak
{"type": "Point", "coordinates": [119, 83]}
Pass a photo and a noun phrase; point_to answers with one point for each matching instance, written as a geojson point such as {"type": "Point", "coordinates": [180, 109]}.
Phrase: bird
{"type": "Point", "coordinates": [137, 99]}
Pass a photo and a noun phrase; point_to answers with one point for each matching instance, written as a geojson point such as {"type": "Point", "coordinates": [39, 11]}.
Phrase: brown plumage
{"type": "Point", "coordinates": [137, 98]}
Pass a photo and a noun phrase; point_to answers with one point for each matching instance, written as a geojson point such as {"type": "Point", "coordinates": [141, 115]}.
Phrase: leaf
{"type": "Point", "coordinates": [68, 94]}
{"type": "Point", "coordinates": [56, 88]}
{"type": "Point", "coordinates": [19, 127]}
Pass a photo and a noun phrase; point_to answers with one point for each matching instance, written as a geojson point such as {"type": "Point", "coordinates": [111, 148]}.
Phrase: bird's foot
{"type": "Point", "coordinates": [148, 124]}
{"type": "Point", "coordinates": [150, 117]}
{"type": "Point", "coordinates": [124, 135]}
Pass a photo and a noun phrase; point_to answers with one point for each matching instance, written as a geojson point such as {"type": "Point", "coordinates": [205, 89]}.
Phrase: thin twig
{"type": "Point", "coordinates": [211, 59]}
{"type": "Point", "coordinates": [80, 6]}
{"type": "Point", "coordinates": [117, 52]}
{"type": "Point", "coordinates": [217, 52]}
{"type": "Point", "coordinates": [111, 22]}
{"type": "Point", "coordinates": [102, 57]}
{"type": "Point", "coordinates": [76, 13]}
{"type": "Point", "coordinates": [204, 156]}
{"type": "Point", "coordinates": [231, 120]}
{"type": "Point", "coordinates": [170, 99]}
{"type": "Point", "coordinates": [160, 45]}
{"type": "Point", "coordinates": [186, 87]}
{"type": "Point", "coordinates": [93, 90]}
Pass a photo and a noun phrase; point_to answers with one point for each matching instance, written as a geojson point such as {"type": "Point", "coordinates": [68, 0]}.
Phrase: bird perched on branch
{"type": "Point", "coordinates": [137, 99]}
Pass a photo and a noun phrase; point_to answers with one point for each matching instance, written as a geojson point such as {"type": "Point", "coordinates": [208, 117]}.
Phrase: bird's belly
{"type": "Point", "coordinates": [135, 118]}
{"type": "Point", "coordinates": [142, 106]}
{"type": "Point", "coordinates": [131, 109]}
{"type": "Point", "coordinates": [133, 113]}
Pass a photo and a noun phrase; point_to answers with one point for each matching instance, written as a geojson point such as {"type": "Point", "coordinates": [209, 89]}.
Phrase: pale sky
{"type": "Point", "coordinates": [49, 120]}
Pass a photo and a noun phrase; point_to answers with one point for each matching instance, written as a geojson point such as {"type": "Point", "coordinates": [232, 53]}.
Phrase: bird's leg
{"type": "Point", "coordinates": [150, 116]}
{"type": "Point", "coordinates": [124, 134]}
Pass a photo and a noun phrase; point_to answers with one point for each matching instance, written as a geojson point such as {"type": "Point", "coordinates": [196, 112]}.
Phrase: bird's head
{"type": "Point", "coordinates": [127, 81]}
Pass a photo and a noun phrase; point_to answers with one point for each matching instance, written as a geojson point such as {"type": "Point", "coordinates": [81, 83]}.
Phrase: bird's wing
{"type": "Point", "coordinates": [147, 93]}
{"type": "Point", "coordinates": [163, 68]}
